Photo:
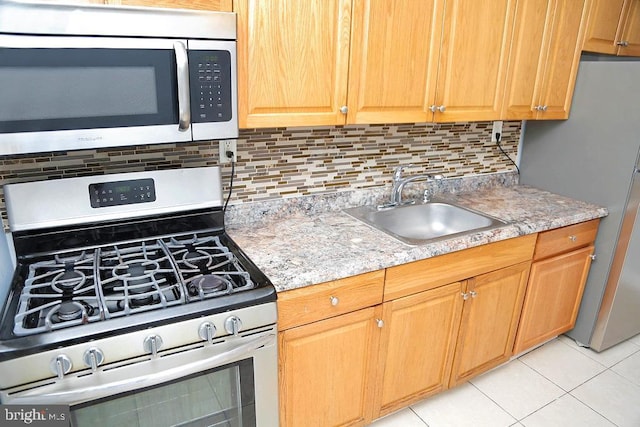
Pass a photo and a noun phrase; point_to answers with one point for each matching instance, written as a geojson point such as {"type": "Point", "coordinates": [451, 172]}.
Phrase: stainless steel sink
{"type": "Point", "coordinates": [423, 223]}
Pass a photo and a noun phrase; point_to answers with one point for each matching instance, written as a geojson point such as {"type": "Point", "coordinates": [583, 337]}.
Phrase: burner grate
{"type": "Point", "coordinates": [207, 267]}
{"type": "Point", "coordinates": [138, 278]}
{"type": "Point", "coordinates": [126, 278]}
{"type": "Point", "coordinates": [58, 293]}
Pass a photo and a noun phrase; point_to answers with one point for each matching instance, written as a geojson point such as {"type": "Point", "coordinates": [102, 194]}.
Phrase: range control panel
{"type": "Point", "coordinates": [122, 192]}
{"type": "Point", "coordinates": [210, 81]}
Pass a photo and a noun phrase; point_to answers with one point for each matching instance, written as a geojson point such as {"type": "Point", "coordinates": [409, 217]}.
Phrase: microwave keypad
{"type": "Point", "coordinates": [210, 86]}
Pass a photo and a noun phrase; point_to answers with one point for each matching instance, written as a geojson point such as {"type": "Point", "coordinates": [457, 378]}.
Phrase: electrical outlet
{"type": "Point", "coordinates": [497, 128]}
{"type": "Point", "coordinates": [226, 146]}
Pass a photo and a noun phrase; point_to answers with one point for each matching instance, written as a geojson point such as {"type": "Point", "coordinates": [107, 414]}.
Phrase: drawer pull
{"type": "Point", "coordinates": [380, 323]}
{"type": "Point", "coordinates": [334, 300]}
{"type": "Point", "coordinates": [573, 238]}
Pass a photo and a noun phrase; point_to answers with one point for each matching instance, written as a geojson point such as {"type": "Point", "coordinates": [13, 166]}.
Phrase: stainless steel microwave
{"type": "Point", "coordinates": [93, 76]}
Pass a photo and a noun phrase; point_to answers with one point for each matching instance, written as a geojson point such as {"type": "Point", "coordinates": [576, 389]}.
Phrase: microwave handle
{"type": "Point", "coordinates": [184, 103]}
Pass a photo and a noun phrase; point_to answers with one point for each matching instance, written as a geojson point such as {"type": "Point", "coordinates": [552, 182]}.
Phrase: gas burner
{"type": "Point", "coordinates": [69, 310]}
{"type": "Point", "coordinates": [209, 284]}
{"type": "Point", "coordinates": [197, 258]}
{"type": "Point", "coordinates": [136, 273]}
{"type": "Point", "coordinates": [68, 281]}
{"type": "Point", "coordinates": [67, 313]}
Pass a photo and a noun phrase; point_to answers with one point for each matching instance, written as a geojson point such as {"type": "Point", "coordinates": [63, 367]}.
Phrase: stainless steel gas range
{"type": "Point", "coordinates": [131, 304]}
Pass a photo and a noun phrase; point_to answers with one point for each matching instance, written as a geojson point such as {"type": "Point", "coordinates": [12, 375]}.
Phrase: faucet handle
{"type": "Point", "coordinates": [397, 172]}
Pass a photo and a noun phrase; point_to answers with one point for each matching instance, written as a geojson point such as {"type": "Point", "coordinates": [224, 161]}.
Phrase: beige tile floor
{"type": "Point", "coordinates": [557, 384]}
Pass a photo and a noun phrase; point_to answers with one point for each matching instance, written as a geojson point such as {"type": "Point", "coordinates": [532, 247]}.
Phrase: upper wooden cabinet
{"type": "Point", "coordinates": [473, 60]}
{"type": "Point", "coordinates": [293, 60]}
{"type": "Point", "coordinates": [614, 27]}
{"type": "Point", "coordinates": [371, 61]}
{"type": "Point", "coordinates": [219, 5]}
{"type": "Point", "coordinates": [394, 60]}
{"type": "Point", "coordinates": [545, 54]}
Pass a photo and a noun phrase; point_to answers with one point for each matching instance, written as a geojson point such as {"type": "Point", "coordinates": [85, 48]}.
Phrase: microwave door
{"type": "Point", "coordinates": [65, 93]}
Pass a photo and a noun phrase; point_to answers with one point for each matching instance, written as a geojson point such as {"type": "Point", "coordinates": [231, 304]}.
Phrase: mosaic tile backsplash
{"type": "Point", "coordinates": [286, 162]}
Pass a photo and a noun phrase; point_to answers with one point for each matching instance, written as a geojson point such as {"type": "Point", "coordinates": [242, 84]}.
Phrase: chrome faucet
{"type": "Point", "coordinates": [398, 185]}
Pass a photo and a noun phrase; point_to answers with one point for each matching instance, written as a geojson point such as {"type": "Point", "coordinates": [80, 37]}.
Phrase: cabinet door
{"type": "Point", "coordinates": [417, 345]}
{"type": "Point", "coordinates": [473, 59]}
{"type": "Point", "coordinates": [563, 59]}
{"type": "Point", "coordinates": [293, 59]}
{"type": "Point", "coordinates": [489, 321]}
{"type": "Point", "coordinates": [394, 59]}
{"type": "Point", "coordinates": [631, 31]}
{"type": "Point", "coordinates": [219, 5]}
{"type": "Point", "coordinates": [327, 370]}
{"type": "Point", "coordinates": [605, 26]}
{"type": "Point", "coordinates": [527, 58]}
{"type": "Point", "coordinates": [553, 297]}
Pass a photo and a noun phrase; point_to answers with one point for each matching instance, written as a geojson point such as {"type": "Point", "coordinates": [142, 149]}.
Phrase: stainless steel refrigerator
{"type": "Point", "coordinates": [593, 156]}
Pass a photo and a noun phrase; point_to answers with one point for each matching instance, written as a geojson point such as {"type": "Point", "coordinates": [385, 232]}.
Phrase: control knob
{"type": "Point", "coordinates": [233, 324]}
{"type": "Point", "coordinates": [61, 365]}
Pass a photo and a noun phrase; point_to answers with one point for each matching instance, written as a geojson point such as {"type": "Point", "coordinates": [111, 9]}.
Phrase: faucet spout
{"type": "Point", "coordinates": [399, 183]}
{"type": "Point", "coordinates": [396, 195]}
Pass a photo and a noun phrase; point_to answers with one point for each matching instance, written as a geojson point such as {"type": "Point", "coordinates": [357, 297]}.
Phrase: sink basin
{"type": "Point", "coordinates": [423, 223]}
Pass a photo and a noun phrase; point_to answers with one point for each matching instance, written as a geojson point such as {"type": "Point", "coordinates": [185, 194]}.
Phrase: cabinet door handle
{"type": "Point", "coordinates": [623, 43]}
{"type": "Point", "coordinates": [593, 257]}
{"type": "Point", "coordinates": [344, 109]}
{"type": "Point", "coordinates": [380, 323]}
{"type": "Point", "coordinates": [433, 108]}
{"type": "Point", "coordinates": [442, 108]}
{"type": "Point", "coordinates": [573, 238]}
{"type": "Point", "coordinates": [465, 295]}
{"type": "Point", "coordinates": [473, 294]}
{"type": "Point", "coordinates": [334, 300]}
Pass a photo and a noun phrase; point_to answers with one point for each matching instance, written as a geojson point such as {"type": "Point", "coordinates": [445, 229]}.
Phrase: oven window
{"type": "Point", "coordinates": [223, 397]}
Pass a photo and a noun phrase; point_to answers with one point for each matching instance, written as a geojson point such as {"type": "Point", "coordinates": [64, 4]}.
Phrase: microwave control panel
{"type": "Point", "coordinates": [210, 81]}
{"type": "Point", "coordinates": [117, 193]}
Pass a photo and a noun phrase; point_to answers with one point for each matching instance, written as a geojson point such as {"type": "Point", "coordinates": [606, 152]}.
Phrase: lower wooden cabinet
{"type": "Point", "coordinates": [327, 370]}
{"type": "Point", "coordinates": [417, 345]}
{"type": "Point", "coordinates": [559, 272]}
{"type": "Point", "coordinates": [553, 298]}
{"type": "Point", "coordinates": [489, 321]}
{"type": "Point", "coordinates": [356, 349]}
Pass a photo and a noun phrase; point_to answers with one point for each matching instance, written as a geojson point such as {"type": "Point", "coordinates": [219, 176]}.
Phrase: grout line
{"type": "Point", "coordinates": [419, 417]}
{"type": "Point", "coordinates": [497, 404]}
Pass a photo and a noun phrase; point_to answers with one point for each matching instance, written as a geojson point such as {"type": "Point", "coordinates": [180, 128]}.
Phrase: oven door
{"type": "Point", "coordinates": [232, 384]}
{"type": "Point", "coordinates": [63, 93]}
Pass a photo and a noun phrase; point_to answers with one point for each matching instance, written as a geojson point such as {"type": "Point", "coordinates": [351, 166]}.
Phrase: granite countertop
{"type": "Point", "coordinates": [311, 246]}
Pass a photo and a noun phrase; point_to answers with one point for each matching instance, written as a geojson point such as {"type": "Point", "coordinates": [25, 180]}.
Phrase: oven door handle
{"type": "Point", "coordinates": [68, 392]}
{"type": "Point", "coordinates": [182, 73]}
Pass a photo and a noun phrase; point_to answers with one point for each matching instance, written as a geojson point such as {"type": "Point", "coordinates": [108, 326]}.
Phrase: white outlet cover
{"type": "Point", "coordinates": [497, 128]}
